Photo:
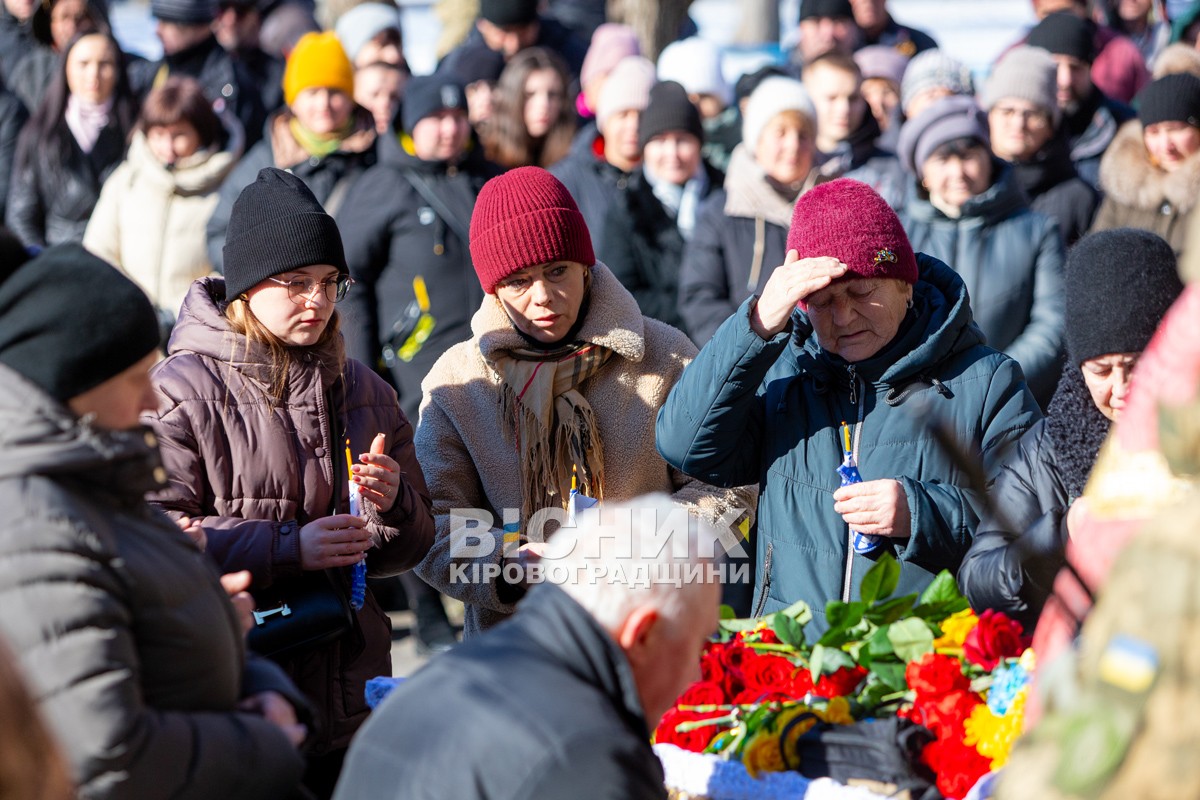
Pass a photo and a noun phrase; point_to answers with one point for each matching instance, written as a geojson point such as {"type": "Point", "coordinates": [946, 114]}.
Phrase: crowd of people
{"type": "Point", "coordinates": [284, 325]}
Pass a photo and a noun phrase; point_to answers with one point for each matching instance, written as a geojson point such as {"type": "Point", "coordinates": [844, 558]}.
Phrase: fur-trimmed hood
{"type": "Point", "coordinates": [1130, 178]}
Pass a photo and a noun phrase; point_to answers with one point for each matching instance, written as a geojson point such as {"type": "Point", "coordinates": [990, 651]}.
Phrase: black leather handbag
{"type": "Point", "coordinates": [299, 614]}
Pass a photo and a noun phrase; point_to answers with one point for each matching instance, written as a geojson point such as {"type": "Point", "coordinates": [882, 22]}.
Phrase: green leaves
{"type": "Point", "coordinates": [827, 660]}
{"type": "Point", "coordinates": [910, 638]}
{"type": "Point", "coordinates": [789, 631]}
{"type": "Point", "coordinates": [881, 580]}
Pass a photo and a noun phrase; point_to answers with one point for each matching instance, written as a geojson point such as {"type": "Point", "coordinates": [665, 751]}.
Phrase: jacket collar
{"type": "Point", "coordinates": [40, 436]}
{"type": "Point", "coordinates": [572, 637]}
{"type": "Point", "coordinates": [996, 203]}
{"type": "Point", "coordinates": [613, 321]}
{"type": "Point", "coordinates": [748, 193]}
{"type": "Point", "coordinates": [1048, 168]}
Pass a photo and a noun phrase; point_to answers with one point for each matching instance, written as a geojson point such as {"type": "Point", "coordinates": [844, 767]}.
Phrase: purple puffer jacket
{"type": "Point", "coordinates": [254, 474]}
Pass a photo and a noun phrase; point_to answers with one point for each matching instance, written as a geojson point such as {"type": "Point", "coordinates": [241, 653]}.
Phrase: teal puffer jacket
{"type": "Point", "coordinates": [769, 411]}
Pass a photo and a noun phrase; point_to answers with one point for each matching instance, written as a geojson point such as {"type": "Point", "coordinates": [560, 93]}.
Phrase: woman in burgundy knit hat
{"type": "Point", "coordinates": [857, 348]}
{"type": "Point", "coordinates": [560, 382]}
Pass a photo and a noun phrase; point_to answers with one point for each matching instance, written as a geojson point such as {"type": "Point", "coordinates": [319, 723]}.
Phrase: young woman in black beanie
{"type": "Point", "coordinates": [1119, 285]}
{"type": "Point", "coordinates": [259, 413]}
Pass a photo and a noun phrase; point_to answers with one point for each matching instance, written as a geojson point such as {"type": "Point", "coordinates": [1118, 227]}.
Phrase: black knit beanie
{"type": "Point", "coordinates": [184, 12]}
{"type": "Point", "coordinates": [825, 8]}
{"type": "Point", "coordinates": [1119, 284]}
{"type": "Point", "coordinates": [277, 225]}
{"type": "Point", "coordinates": [70, 321]}
{"type": "Point", "coordinates": [508, 12]}
{"type": "Point", "coordinates": [1171, 98]}
{"type": "Point", "coordinates": [428, 94]}
{"type": "Point", "coordinates": [1063, 33]}
{"type": "Point", "coordinates": [669, 109]}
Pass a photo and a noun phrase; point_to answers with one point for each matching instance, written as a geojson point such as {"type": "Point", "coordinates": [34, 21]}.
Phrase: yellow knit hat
{"type": "Point", "coordinates": [317, 60]}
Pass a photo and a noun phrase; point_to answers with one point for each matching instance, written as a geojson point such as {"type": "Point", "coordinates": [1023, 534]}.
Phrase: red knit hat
{"type": "Point", "coordinates": [523, 218]}
{"type": "Point", "coordinates": [848, 220]}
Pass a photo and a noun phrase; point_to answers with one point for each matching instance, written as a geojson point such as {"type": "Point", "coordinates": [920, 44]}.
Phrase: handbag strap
{"type": "Point", "coordinates": [436, 203]}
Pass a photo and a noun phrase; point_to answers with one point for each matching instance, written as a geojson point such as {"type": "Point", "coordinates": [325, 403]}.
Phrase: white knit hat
{"type": "Point", "coordinates": [363, 23]}
{"type": "Point", "coordinates": [695, 64]}
{"type": "Point", "coordinates": [773, 96]}
{"type": "Point", "coordinates": [627, 87]}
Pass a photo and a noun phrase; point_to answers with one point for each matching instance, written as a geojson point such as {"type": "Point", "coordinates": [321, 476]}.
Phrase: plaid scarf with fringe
{"type": "Point", "coordinates": [553, 426]}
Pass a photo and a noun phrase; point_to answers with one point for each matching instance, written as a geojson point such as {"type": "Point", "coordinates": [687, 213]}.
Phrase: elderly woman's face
{"type": "Point", "coordinates": [544, 301]}
{"type": "Point", "coordinates": [855, 319]}
{"type": "Point", "coordinates": [1171, 143]}
{"type": "Point", "coordinates": [954, 178]}
{"type": "Point", "coordinates": [1107, 378]}
{"type": "Point", "coordinates": [673, 156]}
{"type": "Point", "coordinates": [1019, 128]}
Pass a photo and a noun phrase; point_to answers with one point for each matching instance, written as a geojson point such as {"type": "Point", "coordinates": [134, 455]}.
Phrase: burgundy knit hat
{"type": "Point", "coordinates": [523, 218]}
{"type": "Point", "coordinates": [848, 220]}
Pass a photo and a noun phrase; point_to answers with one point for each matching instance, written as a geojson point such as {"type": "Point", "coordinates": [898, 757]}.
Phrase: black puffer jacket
{"type": "Point", "coordinates": [16, 39]}
{"type": "Point", "coordinates": [128, 640]}
{"type": "Point", "coordinates": [393, 235]}
{"type": "Point", "coordinates": [644, 247]}
{"type": "Point", "coordinates": [1055, 189]}
{"type": "Point", "coordinates": [52, 194]}
{"type": "Point", "coordinates": [227, 83]}
{"type": "Point", "coordinates": [1021, 543]}
{"type": "Point", "coordinates": [594, 183]}
{"type": "Point", "coordinates": [12, 117]}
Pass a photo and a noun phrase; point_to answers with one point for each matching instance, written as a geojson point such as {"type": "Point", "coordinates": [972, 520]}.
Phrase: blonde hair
{"type": "Point", "coordinates": [32, 766]}
{"type": "Point", "coordinates": [242, 321]}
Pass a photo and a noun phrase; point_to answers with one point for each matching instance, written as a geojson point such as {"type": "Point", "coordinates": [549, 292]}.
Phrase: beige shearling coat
{"type": "Point", "coordinates": [469, 461]}
{"type": "Point", "coordinates": [149, 221]}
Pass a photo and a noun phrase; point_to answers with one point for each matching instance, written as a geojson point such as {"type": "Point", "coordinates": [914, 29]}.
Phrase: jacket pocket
{"type": "Point", "coordinates": [766, 581]}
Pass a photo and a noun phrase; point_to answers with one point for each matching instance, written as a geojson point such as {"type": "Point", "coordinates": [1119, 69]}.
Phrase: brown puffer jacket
{"type": "Point", "coordinates": [254, 474]}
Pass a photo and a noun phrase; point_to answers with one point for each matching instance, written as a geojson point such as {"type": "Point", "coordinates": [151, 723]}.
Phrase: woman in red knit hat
{"type": "Point", "coordinates": [562, 377]}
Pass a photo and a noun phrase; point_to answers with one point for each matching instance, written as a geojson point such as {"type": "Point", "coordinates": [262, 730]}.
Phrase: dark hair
{"type": "Point", "coordinates": [506, 139]}
{"type": "Point", "coordinates": [39, 24]}
{"type": "Point", "coordinates": [959, 147]}
{"type": "Point", "coordinates": [747, 83]}
{"type": "Point", "coordinates": [46, 136]}
{"type": "Point", "coordinates": [182, 99]}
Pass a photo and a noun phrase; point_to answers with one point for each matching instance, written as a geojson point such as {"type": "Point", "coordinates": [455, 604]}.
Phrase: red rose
{"type": "Point", "coordinates": [993, 638]}
{"type": "Point", "coordinates": [945, 715]}
{"type": "Point", "coordinates": [702, 693]}
{"type": "Point", "coordinates": [712, 668]}
{"type": "Point", "coordinates": [767, 636]}
{"type": "Point", "coordinates": [767, 673]}
{"type": "Point", "coordinates": [957, 766]}
{"type": "Point", "coordinates": [802, 683]}
{"type": "Point", "coordinates": [694, 740]}
{"type": "Point", "coordinates": [841, 683]}
{"type": "Point", "coordinates": [733, 658]}
{"type": "Point", "coordinates": [934, 675]}
{"type": "Point", "coordinates": [755, 696]}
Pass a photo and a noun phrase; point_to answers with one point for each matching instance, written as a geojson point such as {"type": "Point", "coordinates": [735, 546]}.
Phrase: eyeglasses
{"type": "Point", "coordinates": [1033, 118]}
{"type": "Point", "coordinates": [301, 290]}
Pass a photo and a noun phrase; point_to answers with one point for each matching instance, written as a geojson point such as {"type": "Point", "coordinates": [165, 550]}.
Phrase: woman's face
{"type": "Point", "coordinates": [856, 318]}
{"type": "Point", "coordinates": [442, 136]}
{"type": "Point", "coordinates": [785, 148]}
{"type": "Point", "coordinates": [882, 98]}
{"type": "Point", "coordinates": [1019, 129]}
{"type": "Point", "coordinates": [544, 301]}
{"type": "Point", "coordinates": [322, 110]}
{"type": "Point", "coordinates": [297, 322]}
{"type": "Point", "coordinates": [379, 89]}
{"type": "Point", "coordinates": [92, 69]}
{"type": "Point", "coordinates": [673, 156]}
{"type": "Point", "coordinates": [543, 101]}
{"type": "Point", "coordinates": [118, 403]}
{"type": "Point", "coordinates": [171, 143]}
{"type": "Point", "coordinates": [953, 179]}
{"type": "Point", "coordinates": [1107, 378]}
{"type": "Point", "coordinates": [68, 18]}
{"type": "Point", "coordinates": [1171, 143]}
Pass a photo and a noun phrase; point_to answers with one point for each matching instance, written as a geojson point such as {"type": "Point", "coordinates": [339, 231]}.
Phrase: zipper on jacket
{"type": "Point", "coordinates": [853, 385]}
{"type": "Point", "coordinates": [766, 586]}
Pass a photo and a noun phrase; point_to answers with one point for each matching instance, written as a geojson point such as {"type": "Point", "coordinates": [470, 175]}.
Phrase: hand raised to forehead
{"type": "Point", "coordinates": [790, 283]}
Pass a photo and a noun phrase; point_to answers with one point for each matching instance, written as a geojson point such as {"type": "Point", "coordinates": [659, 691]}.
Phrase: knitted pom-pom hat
{"type": "Point", "coordinates": [848, 220]}
{"type": "Point", "coordinates": [523, 218]}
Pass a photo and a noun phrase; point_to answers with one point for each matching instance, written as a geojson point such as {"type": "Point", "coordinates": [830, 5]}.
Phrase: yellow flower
{"type": "Point", "coordinates": [762, 753]}
{"type": "Point", "coordinates": [991, 735]}
{"type": "Point", "coordinates": [837, 712]}
{"type": "Point", "coordinates": [954, 631]}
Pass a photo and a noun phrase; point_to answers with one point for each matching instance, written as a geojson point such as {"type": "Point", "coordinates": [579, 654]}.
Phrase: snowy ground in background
{"type": "Point", "coordinates": [975, 31]}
